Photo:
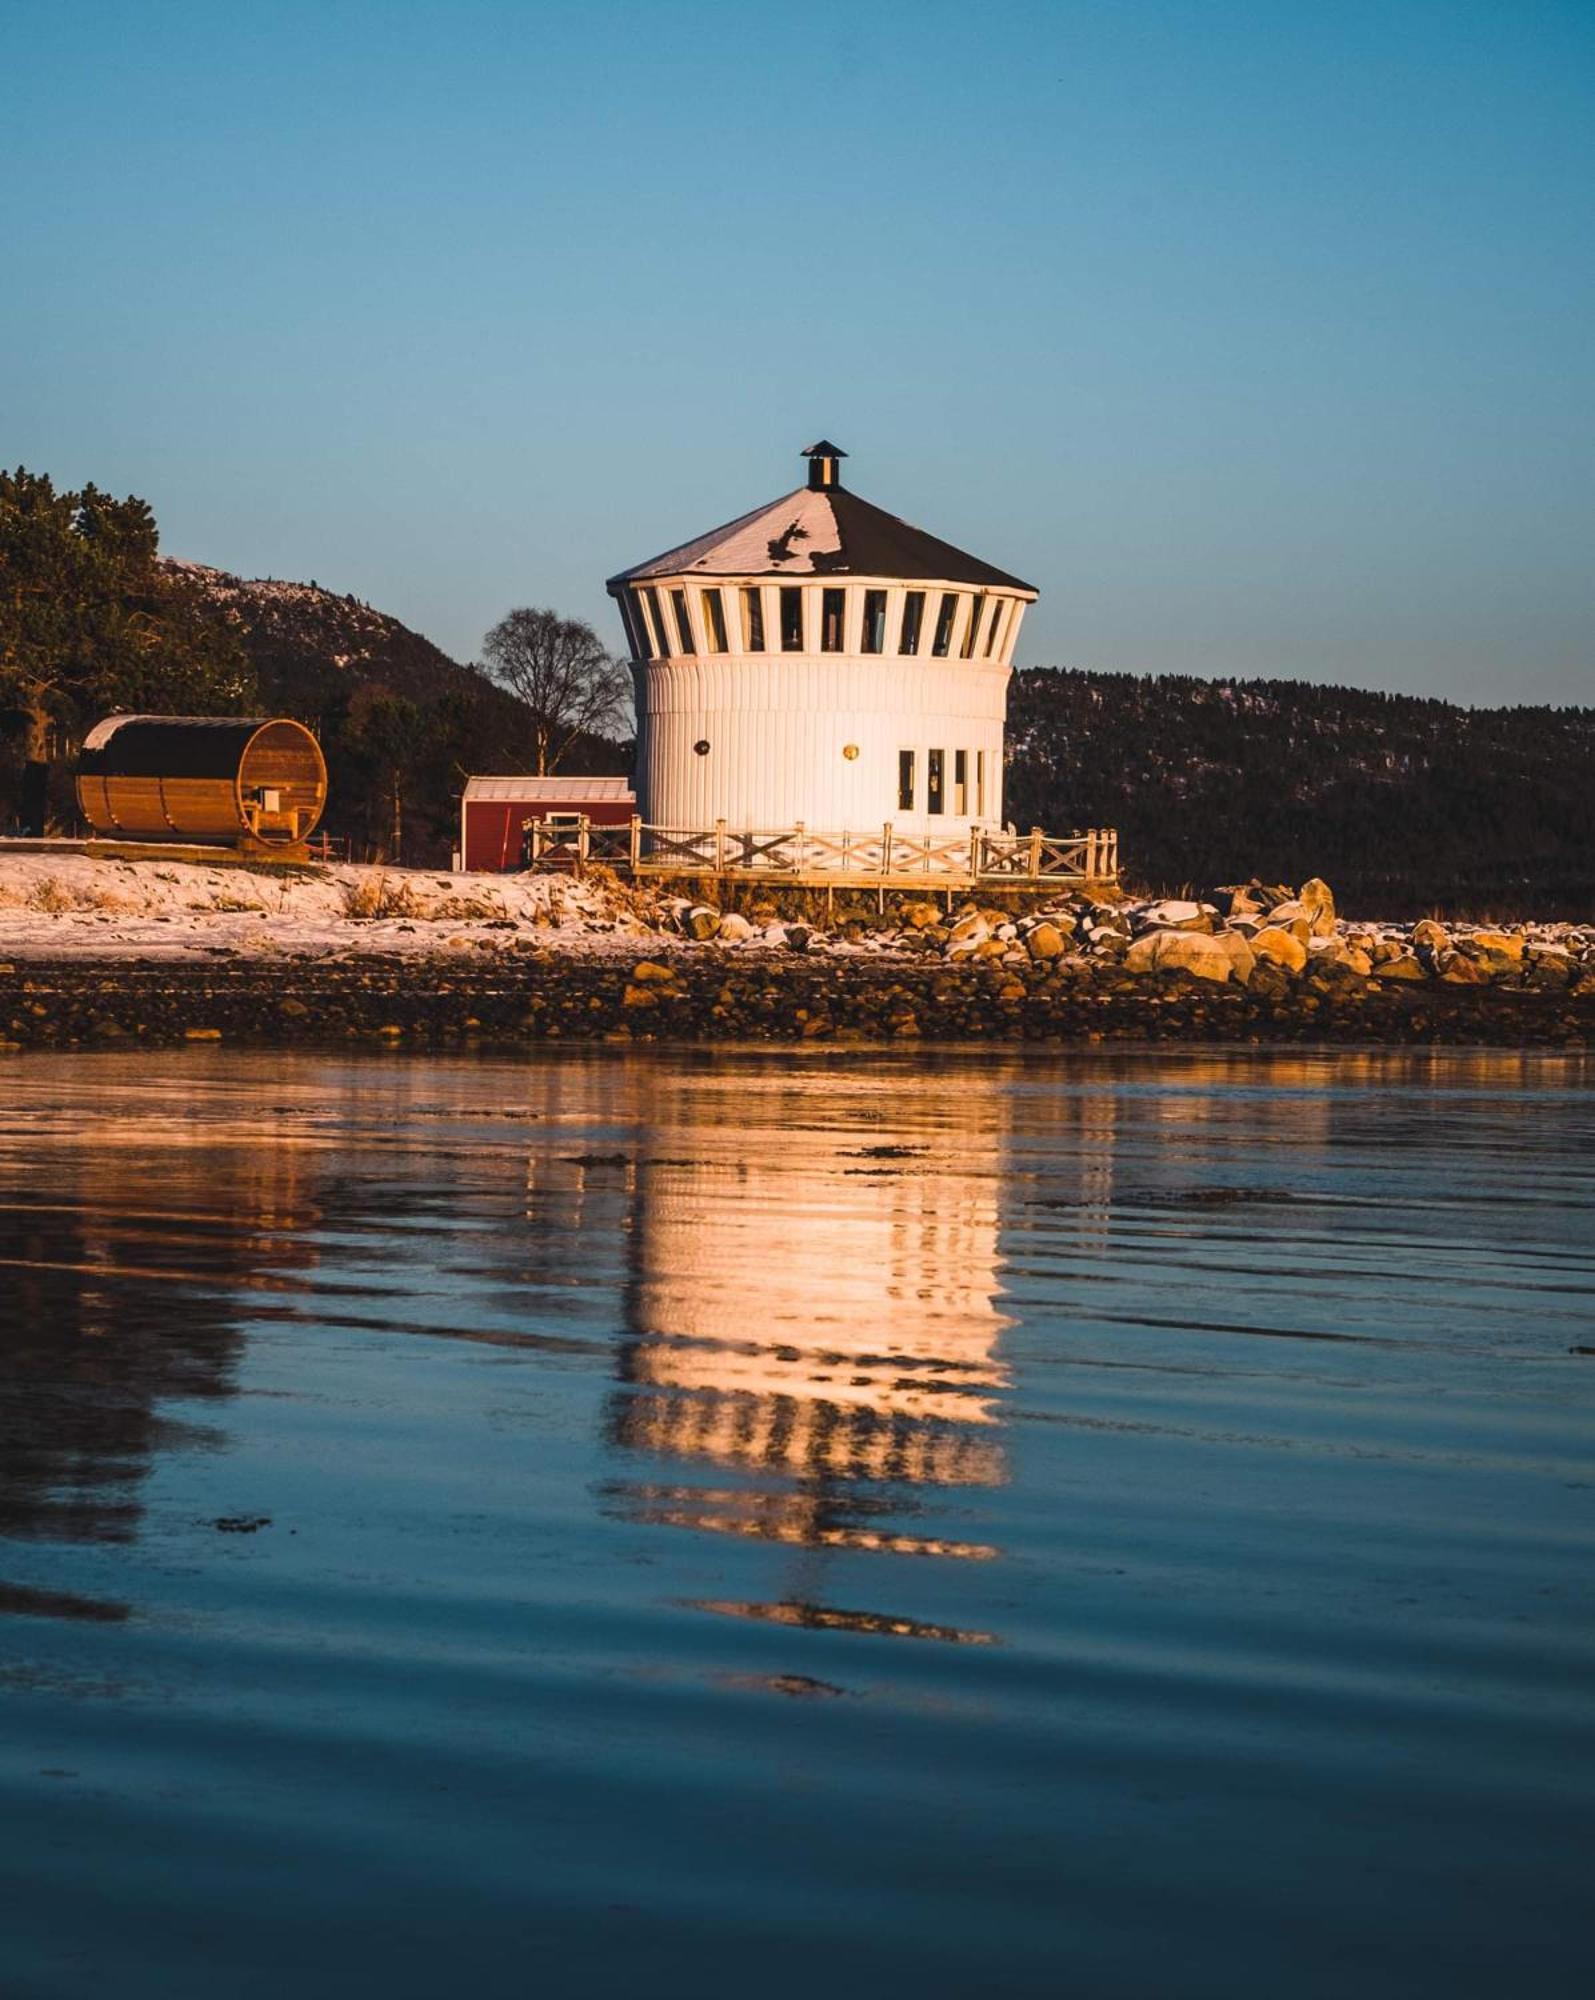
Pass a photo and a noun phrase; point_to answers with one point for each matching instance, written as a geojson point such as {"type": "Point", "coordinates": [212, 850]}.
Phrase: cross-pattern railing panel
{"type": "Point", "coordinates": [799, 851]}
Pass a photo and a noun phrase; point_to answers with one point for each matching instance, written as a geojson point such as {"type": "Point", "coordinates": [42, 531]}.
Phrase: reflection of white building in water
{"type": "Point", "coordinates": [819, 661]}
{"type": "Point", "coordinates": [840, 1322]}
{"type": "Point", "coordinates": [816, 1312]}
{"type": "Point", "coordinates": [814, 1303]}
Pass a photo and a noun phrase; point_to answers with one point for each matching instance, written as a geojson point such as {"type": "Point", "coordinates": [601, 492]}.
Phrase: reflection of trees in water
{"type": "Point", "coordinates": [117, 1266]}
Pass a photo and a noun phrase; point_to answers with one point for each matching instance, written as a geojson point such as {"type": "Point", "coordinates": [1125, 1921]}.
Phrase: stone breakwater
{"type": "Point", "coordinates": [1266, 939]}
{"type": "Point", "coordinates": [715, 996]}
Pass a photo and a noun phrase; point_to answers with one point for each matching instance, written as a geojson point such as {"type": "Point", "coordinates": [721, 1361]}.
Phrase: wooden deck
{"type": "Point", "coordinates": [805, 859]}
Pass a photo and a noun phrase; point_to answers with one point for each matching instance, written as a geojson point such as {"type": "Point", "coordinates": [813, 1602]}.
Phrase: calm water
{"type": "Point", "coordinates": [796, 1525]}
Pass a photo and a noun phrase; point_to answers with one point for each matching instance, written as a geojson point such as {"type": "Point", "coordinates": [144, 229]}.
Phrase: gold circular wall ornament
{"type": "Point", "coordinates": [850, 751]}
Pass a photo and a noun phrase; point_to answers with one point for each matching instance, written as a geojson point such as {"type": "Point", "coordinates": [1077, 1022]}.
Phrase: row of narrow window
{"type": "Point", "coordinates": [652, 638]}
{"type": "Point", "coordinates": [960, 800]}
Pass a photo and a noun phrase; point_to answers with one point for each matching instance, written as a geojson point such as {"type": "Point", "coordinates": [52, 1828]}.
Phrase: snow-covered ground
{"type": "Point", "coordinates": [63, 905]}
{"type": "Point", "coordinates": [54, 906]}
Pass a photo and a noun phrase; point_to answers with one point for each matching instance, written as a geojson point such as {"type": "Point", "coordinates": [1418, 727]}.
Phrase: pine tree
{"type": "Point", "coordinates": [90, 623]}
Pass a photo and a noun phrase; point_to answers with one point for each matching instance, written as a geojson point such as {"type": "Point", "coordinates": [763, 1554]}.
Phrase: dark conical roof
{"type": "Point", "coordinates": [822, 532]}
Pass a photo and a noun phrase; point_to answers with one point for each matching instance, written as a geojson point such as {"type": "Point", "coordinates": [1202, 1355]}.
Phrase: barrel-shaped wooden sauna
{"type": "Point", "coordinates": [202, 778]}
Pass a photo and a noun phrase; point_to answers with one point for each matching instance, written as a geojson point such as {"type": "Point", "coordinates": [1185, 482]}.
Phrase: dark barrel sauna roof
{"type": "Point", "coordinates": [202, 777]}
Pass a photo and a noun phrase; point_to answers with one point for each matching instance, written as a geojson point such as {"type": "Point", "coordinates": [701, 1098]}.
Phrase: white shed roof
{"type": "Point", "coordinates": [549, 791]}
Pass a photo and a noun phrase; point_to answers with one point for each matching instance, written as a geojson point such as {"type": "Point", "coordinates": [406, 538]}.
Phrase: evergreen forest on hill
{"type": "Point", "coordinates": [1404, 805]}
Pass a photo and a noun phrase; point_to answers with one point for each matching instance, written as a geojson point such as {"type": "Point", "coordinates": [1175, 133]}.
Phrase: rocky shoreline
{"type": "Point", "coordinates": [166, 954]}
{"type": "Point", "coordinates": [710, 996]}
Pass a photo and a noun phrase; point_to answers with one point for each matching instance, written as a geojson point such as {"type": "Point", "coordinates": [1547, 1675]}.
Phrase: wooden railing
{"type": "Point", "coordinates": [795, 853]}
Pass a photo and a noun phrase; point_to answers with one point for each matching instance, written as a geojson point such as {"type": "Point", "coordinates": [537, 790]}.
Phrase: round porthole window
{"type": "Point", "coordinates": [850, 751]}
{"type": "Point", "coordinates": [701, 747]}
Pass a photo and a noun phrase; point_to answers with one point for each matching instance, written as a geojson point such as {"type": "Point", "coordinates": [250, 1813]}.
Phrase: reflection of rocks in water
{"type": "Point", "coordinates": [116, 1267]}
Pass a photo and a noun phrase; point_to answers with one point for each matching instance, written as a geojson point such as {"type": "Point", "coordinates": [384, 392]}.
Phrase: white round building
{"type": "Point", "coordinates": [819, 662]}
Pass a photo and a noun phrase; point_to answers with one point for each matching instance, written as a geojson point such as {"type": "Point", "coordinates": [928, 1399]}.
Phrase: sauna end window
{"type": "Point", "coordinates": [683, 621]}
{"type": "Point", "coordinates": [942, 644]}
{"type": "Point", "coordinates": [753, 619]}
{"type": "Point", "coordinates": [905, 781]}
{"type": "Point", "coordinates": [913, 621]}
{"type": "Point", "coordinates": [833, 612]}
{"type": "Point", "coordinates": [873, 639]}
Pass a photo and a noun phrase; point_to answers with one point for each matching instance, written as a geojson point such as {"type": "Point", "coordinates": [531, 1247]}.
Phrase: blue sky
{"type": "Point", "coordinates": [1260, 338]}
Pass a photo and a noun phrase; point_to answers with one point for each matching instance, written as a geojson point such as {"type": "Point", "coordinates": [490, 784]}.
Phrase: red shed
{"type": "Point", "coordinates": [493, 813]}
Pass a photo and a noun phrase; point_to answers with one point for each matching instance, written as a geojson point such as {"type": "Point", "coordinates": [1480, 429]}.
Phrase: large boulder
{"type": "Point", "coordinates": [1505, 946]}
{"type": "Point", "coordinates": [1340, 952]}
{"type": "Point", "coordinates": [1431, 938]}
{"type": "Point", "coordinates": [1191, 952]}
{"type": "Point", "coordinates": [1238, 950]}
{"type": "Point", "coordinates": [1317, 899]}
{"type": "Point", "coordinates": [1175, 914]}
{"type": "Point", "coordinates": [1238, 899]}
{"type": "Point", "coordinates": [1550, 966]}
{"type": "Point", "coordinates": [1292, 916]}
{"type": "Point", "coordinates": [735, 928]}
{"type": "Point", "coordinates": [701, 923]}
{"type": "Point", "coordinates": [1045, 940]}
{"type": "Point", "coordinates": [1403, 966]}
{"type": "Point", "coordinates": [1456, 969]}
{"type": "Point", "coordinates": [1280, 947]}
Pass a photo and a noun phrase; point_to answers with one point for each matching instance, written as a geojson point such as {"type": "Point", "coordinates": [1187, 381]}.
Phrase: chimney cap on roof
{"type": "Point", "coordinates": [823, 467]}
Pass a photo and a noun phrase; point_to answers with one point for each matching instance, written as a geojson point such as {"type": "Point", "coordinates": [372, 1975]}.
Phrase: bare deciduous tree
{"type": "Point", "coordinates": [559, 669]}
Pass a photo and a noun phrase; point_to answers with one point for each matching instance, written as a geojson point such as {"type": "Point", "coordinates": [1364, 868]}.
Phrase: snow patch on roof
{"type": "Point", "coordinates": [830, 531]}
{"type": "Point", "coordinates": [552, 791]}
